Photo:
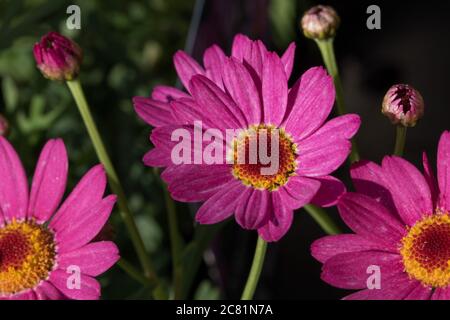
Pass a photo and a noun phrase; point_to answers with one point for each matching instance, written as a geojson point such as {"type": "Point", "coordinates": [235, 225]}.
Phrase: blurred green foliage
{"type": "Point", "coordinates": [128, 48]}
{"type": "Point", "coordinates": [283, 15]}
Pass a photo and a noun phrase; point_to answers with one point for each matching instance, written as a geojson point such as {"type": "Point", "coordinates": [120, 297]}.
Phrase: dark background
{"type": "Point", "coordinates": [128, 48]}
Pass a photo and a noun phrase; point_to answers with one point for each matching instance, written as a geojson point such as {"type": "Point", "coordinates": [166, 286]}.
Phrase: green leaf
{"type": "Point", "coordinates": [207, 291]}
{"type": "Point", "coordinates": [10, 93]}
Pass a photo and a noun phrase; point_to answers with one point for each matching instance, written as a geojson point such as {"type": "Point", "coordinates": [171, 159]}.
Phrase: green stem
{"type": "Point", "coordinates": [83, 107]}
{"type": "Point", "coordinates": [255, 271]}
{"type": "Point", "coordinates": [400, 140]}
{"type": "Point", "coordinates": [327, 50]}
{"type": "Point", "coordinates": [329, 58]}
{"type": "Point", "coordinates": [176, 243]}
{"type": "Point", "coordinates": [322, 219]}
{"type": "Point", "coordinates": [133, 272]}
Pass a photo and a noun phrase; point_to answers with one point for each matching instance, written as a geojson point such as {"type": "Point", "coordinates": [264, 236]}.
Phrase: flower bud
{"type": "Point", "coordinates": [57, 57]}
{"type": "Point", "coordinates": [320, 23]}
{"type": "Point", "coordinates": [403, 105]}
{"type": "Point", "coordinates": [4, 126]}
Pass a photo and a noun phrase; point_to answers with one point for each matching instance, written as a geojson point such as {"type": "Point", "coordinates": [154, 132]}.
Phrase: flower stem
{"type": "Point", "coordinates": [83, 107]}
{"type": "Point", "coordinates": [400, 140]}
{"type": "Point", "coordinates": [255, 271]}
{"type": "Point", "coordinates": [133, 272]}
{"type": "Point", "coordinates": [327, 50]}
{"type": "Point", "coordinates": [176, 244]}
{"type": "Point", "coordinates": [322, 219]}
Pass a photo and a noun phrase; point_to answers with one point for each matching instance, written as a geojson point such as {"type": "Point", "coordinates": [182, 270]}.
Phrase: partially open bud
{"type": "Point", "coordinates": [320, 23]}
{"type": "Point", "coordinates": [403, 105]}
{"type": "Point", "coordinates": [58, 57]}
{"type": "Point", "coordinates": [4, 126]}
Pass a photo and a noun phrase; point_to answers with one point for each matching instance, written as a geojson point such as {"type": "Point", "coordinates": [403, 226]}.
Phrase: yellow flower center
{"type": "Point", "coordinates": [268, 169]}
{"type": "Point", "coordinates": [27, 255]}
{"type": "Point", "coordinates": [426, 251]}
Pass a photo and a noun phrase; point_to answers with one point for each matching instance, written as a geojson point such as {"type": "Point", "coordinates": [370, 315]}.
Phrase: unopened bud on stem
{"type": "Point", "coordinates": [320, 23]}
{"type": "Point", "coordinates": [57, 57]}
{"type": "Point", "coordinates": [403, 105]}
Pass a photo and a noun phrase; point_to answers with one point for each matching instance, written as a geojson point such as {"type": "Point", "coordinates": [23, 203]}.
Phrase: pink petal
{"type": "Point", "coordinates": [153, 112]}
{"type": "Point", "coordinates": [222, 204]}
{"type": "Point", "coordinates": [330, 246]}
{"type": "Point", "coordinates": [72, 234]}
{"type": "Point", "coordinates": [368, 179]}
{"type": "Point", "coordinates": [331, 189]}
{"type": "Point", "coordinates": [216, 104]}
{"type": "Point", "coordinates": [13, 186]}
{"type": "Point", "coordinates": [443, 170]}
{"type": "Point", "coordinates": [298, 191]}
{"type": "Point", "coordinates": [309, 103]}
{"type": "Point", "coordinates": [162, 139]}
{"type": "Point", "coordinates": [196, 183]}
{"type": "Point", "coordinates": [419, 293]}
{"type": "Point", "coordinates": [49, 181]}
{"type": "Point", "coordinates": [257, 59]}
{"type": "Point", "coordinates": [167, 94]}
{"type": "Point", "coordinates": [280, 223]}
{"type": "Point", "coordinates": [251, 53]}
{"type": "Point", "coordinates": [89, 287]}
{"type": "Point", "coordinates": [274, 89]}
{"type": "Point", "coordinates": [370, 219]}
{"type": "Point", "coordinates": [213, 60]}
{"type": "Point", "coordinates": [186, 67]}
{"type": "Point", "coordinates": [397, 287]}
{"type": "Point", "coordinates": [441, 294]}
{"type": "Point", "coordinates": [351, 270]}
{"type": "Point", "coordinates": [240, 85]}
{"type": "Point", "coordinates": [409, 189]}
{"type": "Point", "coordinates": [288, 59]}
{"type": "Point", "coordinates": [187, 111]}
{"type": "Point", "coordinates": [27, 295]}
{"type": "Point", "coordinates": [157, 158]}
{"type": "Point", "coordinates": [87, 193]}
{"type": "Point", "coordinates": [430, 178]}
{"type": "Point", "coordinates": [242, 47]}
{"type": "Point", "coordinates": [254, 208]}
{"type": "Point", "coordinates": [93, 259]}
{"type": "Point", "coordinates": [47, 291]}
{"type": "Point", "coordinates": [325, 150]}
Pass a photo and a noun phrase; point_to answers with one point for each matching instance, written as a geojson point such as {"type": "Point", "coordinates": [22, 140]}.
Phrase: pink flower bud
{"type": "Point", "coordinates": [403, 105]}
{"type": "Point", "coordinates": [58, 57]}
{"type": "Point", "coordinates": [4, 126]}
{"type": "Point", "coordinates": [320, 23]}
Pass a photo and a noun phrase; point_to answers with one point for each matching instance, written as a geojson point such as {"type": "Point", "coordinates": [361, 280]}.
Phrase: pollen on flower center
{"type": "Point", "coordinates": [426, 251]}
{"type": "Point", "coordinates": [27, 255]}
{"type": "Point", "coordinates": [248, 164]}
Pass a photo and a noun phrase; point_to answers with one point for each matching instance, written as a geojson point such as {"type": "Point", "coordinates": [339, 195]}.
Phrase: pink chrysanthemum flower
{"type": "Point", "coordinates": [401, 220]}
{"type": "Point", "coordinates": [252, 95]}
{"type": "Point", "coordinates": [45, 249]}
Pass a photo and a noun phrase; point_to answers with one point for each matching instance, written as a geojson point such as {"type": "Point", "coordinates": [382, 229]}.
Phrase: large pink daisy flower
{"type": "Point", "coordinates": [401, 220]}
{"type": "Point", "coordinates": [45, 249]}
{"type": "Point", "coordinates": [156, 110]}
{"type": "Point", "coordinates": [252, 95]}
